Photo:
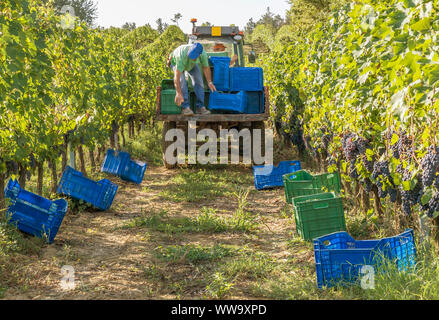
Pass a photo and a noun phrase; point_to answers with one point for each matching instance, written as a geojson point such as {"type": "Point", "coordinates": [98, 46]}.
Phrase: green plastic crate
{"type": "Point", "coordinates": [328, 181]}
{"type": "Point", "coordinates": [301, 183]}
{"type": "Point", "coordinates": [167, 105]}
{"type": "Point", "coordinates": [318, 214]}
{"type": "Point", "coordinates": [217, 54]}
{"type": "Point", "coordinates": [167, 84]}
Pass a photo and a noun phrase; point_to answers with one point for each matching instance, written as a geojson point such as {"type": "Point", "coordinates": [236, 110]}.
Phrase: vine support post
{"type": "Point", "coordinates": [365, 200]}
{"type": "Point", "coordinates": [2, 187]}
{"type": "Point", "coordinates": [92, 158]}
{"type": "Point", "coordinates": [72, 160]}
{"type": "Point", "coordinates": [122, 133]}
{"type": "Point", "coordinates": [82, 160]}
{"type": "Point", "coordinates": [52, 167]}
{"type": "Point", "coordinates": [40, 173]}
{"type": "Point", "coordinates": [116, 140]}
{"type": "Point", "coordinates": [21, 176]}
{"type": "Point", "coordinates": [377, 203]}
{"type": "Point", "coordinates": [64, 157]}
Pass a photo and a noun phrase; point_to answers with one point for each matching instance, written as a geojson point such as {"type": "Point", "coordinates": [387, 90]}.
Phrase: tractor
{"type": "Point", "coordinates": [216, 41]}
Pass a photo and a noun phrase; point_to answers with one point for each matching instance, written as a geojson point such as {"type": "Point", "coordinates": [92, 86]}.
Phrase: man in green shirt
{"type": "Point", "coordinates": [185, 59]}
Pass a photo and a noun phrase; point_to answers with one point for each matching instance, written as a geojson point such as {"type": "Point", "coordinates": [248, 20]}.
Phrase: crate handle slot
{"type": "Point", "coordinates": [326, 242]}
{"type": "Point", "coordinates": [321, 206]}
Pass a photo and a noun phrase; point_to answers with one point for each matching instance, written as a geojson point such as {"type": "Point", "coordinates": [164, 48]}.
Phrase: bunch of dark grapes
{"type": "Point", "coordinates": [28, 175]}
{"type": "Point", "coordinates": [115, 126]}
{"type": "Point", "coordinates": [296, 137]}
{"type": "Point", "coordinates": [362, 145]}
{"type": "Point", "coordinates": [381, 192]}
{"type": "Point", "coordinates": [423, 207]}
{"type": "Point", "coordinates": [367, 184]}
{"type": "Point", "coordinates": [381, 168]}
{"type": "Point", "coordinates": [379, 173]}
{"type": "Point", "coordinates": [368, 164]}
{"type": "Point", "coordinates": [326, 140]}
{"type": "Point", "coordinates": [433, 205]}
{"type": "Point", "coordinates": [410, 197]}
{"type": "Point", "coordinates": [353, 173]}
{"type": "Point", "coordinates": [309, 146]}
{"type": "Point", "coordinates": [436, 182]}
{"type": "Point", "coordinates": [11, 167]}
{"type": "Point", "coordinates": [32, 161]}
{"type": "Point", "coordinates": [393, 193]}
{"type": "Point", "coordinates": [405, 145]}
{"type": "Point", "coordinates": [350, 147]}
{"type": "Point", "coordinates": [395, 151]}
{"type": "Point", "coordinates": [429, 165]}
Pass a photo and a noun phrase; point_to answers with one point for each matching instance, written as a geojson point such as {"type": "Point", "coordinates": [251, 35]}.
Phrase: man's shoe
{"type": "Point", "coordinates": [203, 110]}
{"type": "Point", "coordinates": [187, 112]}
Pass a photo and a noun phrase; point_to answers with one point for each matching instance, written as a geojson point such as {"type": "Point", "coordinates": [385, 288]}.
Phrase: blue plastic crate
{"type": "Point", "coordinates": [34, 214]}
{"type": "Point", "coordinates": [246, 79]}
{"type": "Point", "coordinates": [228, 102]}
{"type": "Point", "coordinates": [100, 194]}
{"type": "Point", "coordinates": [339, 258]}
{"type": "Point", "coordinates": [270, 176]}
{"type": "Point", "coordinates": [221, 74]}
{"type": "Point", "coordinates": [134, 171]}
{"type": "Point", "coordinates": [255, 102]}
{"type": "Point", "coordinates": [120, 164]}
{"type": "Point", "coordinates": [114, 162]}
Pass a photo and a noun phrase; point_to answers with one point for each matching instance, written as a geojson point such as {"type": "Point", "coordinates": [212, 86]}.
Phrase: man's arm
{"type": "Point", "coordinates": [179, 99]}
{"type": "Point", "coordinates": [208, 75]}
{"type": "Point", "coordinates": [233, 60]}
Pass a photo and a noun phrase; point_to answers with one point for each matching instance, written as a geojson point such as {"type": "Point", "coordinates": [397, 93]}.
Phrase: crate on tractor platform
{"type": "Point", "coordinates": [255, 102]}
{"type": "Point", "coordinates": [34, 214]}
{"type": "Point", "coordinates": [339, 258]}
{"type": "Point", "coordinates": [302, 183]}
{"type": "Point", "coordinates": [228, 102]}
{"type": "Point", "coordinates": [120, 164]}
{"type": "Point", "coordinates": [270, 176]}
{"type": "Point", "coordinates": [100, 194]}
{"type": "Point", "coordinates": [318, 214]}
{"type": "Point", "coordinates": [246, 79]}
{"type": "Point", "coordinates": [167, 105]}
{"type": "Point", "coordinates": [221, 74]}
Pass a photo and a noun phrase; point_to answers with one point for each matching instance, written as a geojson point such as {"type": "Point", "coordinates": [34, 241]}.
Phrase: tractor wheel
{"type": "Point", "coordinates": [167, 125]}
{"type": "Point", "coordinates": [259, 125]}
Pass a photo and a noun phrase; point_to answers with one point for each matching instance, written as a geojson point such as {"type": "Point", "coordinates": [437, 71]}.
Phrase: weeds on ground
{"type": "Point", "coordinates": [219, 287]}
{"type": "Point", "coordinates": [193, 253]}
{"type": "Point", "coordinates": [208, 221]}
{"type": "Point", "coordinates": [146, 146]}
{"type": "Point", "coordinates": [191, 185]}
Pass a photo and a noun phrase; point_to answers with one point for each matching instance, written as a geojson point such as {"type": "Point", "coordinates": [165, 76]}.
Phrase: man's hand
{"type": "Point", "coordinates": [233, 60]}
{"type": "Point", "coordinates": [179, 99]}
{"type": "Point", "coordinates": [211, 86]}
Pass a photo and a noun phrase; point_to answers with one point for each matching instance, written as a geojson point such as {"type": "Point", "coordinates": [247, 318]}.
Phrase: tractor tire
{"type": "Point", "coordinates": [167, 125]}
{"type": "Point", "coordinates": [259, 125]}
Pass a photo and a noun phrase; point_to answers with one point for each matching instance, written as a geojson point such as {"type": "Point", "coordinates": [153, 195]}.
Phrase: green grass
{"type": "Point", "coordinates": [249, 265]}
{"type": "Point", "coordinates": [191, 253]}
{"type": "Point", "coordinates": [147, 146]}
{"type": "Point", "coordinates": [208, 221]}
{"type": "Point", "coordinates": [194, 185]}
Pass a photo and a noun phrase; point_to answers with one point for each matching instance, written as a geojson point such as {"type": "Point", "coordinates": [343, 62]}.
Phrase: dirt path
{"type": "Point", "coordinates": [112, 261]}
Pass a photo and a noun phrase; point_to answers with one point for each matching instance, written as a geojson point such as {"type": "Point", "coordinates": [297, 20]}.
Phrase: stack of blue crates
{"type": "Point", "coordinates": [100, 194]}
{"type": "Point", "coordinates": [270, 176]}
{"type": "Point", "coordinates": [339, 258]}
{"type": "Point", "coordinates": [241, 89]}
{"type": "Point", "coordinates": [120, 164]}
{"type": "Point", "coordinates": [33, 214]}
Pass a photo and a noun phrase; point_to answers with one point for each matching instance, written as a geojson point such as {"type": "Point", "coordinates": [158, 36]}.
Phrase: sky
{"type": "Point", "coordinates": [222, 12]}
